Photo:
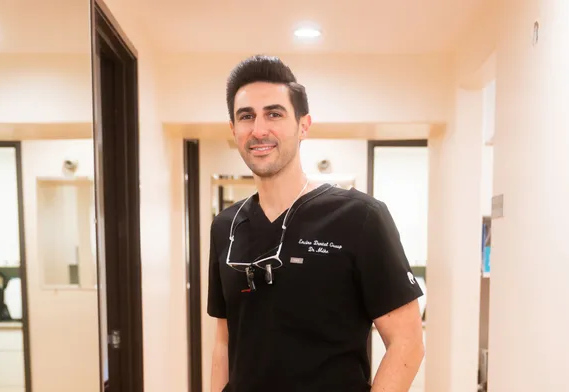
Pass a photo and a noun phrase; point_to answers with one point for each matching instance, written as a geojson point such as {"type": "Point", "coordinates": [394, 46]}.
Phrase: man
{"type": "Point", "coordinates": [298, 273]}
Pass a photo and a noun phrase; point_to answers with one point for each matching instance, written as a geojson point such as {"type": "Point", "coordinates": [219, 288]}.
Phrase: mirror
{"type": "Point", "coordinates": [10, 252]}
{"type": "Point", "coordinates": [228, 190]}
{"type": "Point", "coordinates": [12, 362]}
{"type": "Point", "coordinates": [50, 341]}
{"type": "Point", "coordinates": [9, 220]}
{"type": "Point", "coordinates": [68, 253]}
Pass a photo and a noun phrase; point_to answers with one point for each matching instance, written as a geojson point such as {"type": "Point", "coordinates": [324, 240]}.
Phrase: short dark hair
{"type": "Point", "coordinates": [271, 69]}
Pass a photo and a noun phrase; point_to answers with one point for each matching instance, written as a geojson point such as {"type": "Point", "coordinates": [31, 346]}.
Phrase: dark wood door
{"type": "Point", "coordinates": [117, 142]}
{"type": "Point", "coordinates": [192, 192]}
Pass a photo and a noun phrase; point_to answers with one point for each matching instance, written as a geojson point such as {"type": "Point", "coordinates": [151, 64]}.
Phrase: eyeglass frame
{"type": "Point", "coordinates": [268, 267]}
{"type": "Point", "coordinates": [256, 263]}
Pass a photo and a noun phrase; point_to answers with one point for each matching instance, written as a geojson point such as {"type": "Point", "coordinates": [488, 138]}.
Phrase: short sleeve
{"type": "Point", "coordinates": [215, 299]}
{"type": "Point", "coordinates": [383, 271]}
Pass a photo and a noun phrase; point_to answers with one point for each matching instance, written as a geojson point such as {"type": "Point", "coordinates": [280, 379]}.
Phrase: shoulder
{"type": "Point", "coordinates": [351, 209]}
{"type": "Point", "coordinates": [350, 201]}
{"type": "Point", "coordinates": [350, 213]}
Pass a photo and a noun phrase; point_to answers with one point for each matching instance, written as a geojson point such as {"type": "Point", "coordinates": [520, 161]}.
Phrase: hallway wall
{"type": "Point", "coordinates": [455, 218]}
{"type": "Point", "coordinates": [162, 359]}
{"type": "Point", "coordinates": [56, 86]}
{"type": "Point", "coordinates": [455, 235]}
{"type": "Point", "coordinates": [63, 322]}
{"type": "Point", "coordinates": [529, 294]}
{"type": "Point", "coordinates": [341, 88]}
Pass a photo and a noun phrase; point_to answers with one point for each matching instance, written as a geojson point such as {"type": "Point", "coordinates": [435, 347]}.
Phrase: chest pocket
{"type": "Point", "coordinates": [318, 289]}
{"type": "Point", "coordinates": [313, 267]}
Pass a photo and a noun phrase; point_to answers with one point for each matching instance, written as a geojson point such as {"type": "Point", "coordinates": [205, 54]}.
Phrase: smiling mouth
{"type": "Point", "coordinates": [262, 150]}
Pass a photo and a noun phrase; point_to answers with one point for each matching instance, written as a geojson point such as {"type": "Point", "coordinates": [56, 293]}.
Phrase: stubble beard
{"type": "Point", "coordinates": [268, 170]}
{"type": "Point", "coordinates": [273, 168]}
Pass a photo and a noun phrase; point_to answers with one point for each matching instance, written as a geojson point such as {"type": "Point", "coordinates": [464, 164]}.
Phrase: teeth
{"type": "Point", "coordinates": [262, 148]}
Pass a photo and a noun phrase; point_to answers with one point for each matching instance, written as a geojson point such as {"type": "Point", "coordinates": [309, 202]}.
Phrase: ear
{"type": "Point", "coordinates": [305, 123]}
{"type": "Point", "coordinates": [232, 127]}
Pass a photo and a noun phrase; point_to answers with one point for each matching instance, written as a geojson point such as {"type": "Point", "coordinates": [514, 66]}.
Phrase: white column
{"type": "Point", "coordinates": [529, 303]}
{"type": "Point", "coordinates": [453, 267]}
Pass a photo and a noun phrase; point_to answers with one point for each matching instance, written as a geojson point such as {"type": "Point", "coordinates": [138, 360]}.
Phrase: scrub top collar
{"type": "Point", "coordinates": [252, 209]}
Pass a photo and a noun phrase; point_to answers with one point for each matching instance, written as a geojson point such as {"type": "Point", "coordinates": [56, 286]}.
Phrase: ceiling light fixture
{"type": "Point", "coordinates": [307, 32]}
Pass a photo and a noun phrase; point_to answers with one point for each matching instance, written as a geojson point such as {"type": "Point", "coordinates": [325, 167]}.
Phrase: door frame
{"type": "Point", "coordinates": [371, 144]}
{"type": "Point", "coordinates": [193, 262]}
{"type": "Point", "coordinates": [17, 146]}
{"type": "Point", "coordinates": [108, 37]}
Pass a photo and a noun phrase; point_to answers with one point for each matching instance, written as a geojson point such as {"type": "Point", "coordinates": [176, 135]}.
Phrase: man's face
{"type": "Point", "coordinates": [265, 129]}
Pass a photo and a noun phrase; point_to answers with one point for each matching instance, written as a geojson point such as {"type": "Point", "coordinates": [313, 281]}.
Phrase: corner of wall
{"type": "Point", "coordinates": [475, 50]}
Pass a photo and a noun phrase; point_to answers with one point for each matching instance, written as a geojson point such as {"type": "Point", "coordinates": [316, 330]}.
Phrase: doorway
{"type": "Point", "coordinates": [193, 260]}
{"type": "Point", "coordinates": [115, 87]}
{"type": "Point", "coordinates": [14, 319]}
{"type": "Point", "coordinates": [398, 174]}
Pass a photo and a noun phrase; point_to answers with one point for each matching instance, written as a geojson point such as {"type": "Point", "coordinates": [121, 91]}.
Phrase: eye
{"type": "Point", "coordinates": [275, 115]}
{"type": "Point", "coordinates": [245, 117]}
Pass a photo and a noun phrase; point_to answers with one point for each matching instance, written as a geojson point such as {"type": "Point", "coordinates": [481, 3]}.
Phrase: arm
{"type": "Point", "coordinates": [216, 308]}
{"type": "Point", "coordinates": [401, 331]}
{"type": "Point", "coordinates": [390, 294]}
{"type": "Point", "coordinates": [220, 364]}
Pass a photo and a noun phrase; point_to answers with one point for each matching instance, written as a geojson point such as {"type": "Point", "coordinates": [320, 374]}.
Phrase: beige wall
{"type": "Point", "coordinates": [473, 60]}
{"type": "Point", "coordinates": [164, 323]}
{"type": "Point", "coordinates": [64, 336]}
{"type": "Point", "coordinates": [341, 88]}
{"type": "Point", "coordinates": [45, 88]}
{"type": "Point", "coordinates": [347, 157]}
{"type": "Point", "coordinates": [456, 206]}
{"type": "Point", "coordinates": [453, 273]}
{"type": "Point", "coordinates": [529, 347]}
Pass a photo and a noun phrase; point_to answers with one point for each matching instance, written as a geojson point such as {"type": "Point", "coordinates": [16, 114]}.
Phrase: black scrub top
{"type": "Point", "coordinates": [343, 267]}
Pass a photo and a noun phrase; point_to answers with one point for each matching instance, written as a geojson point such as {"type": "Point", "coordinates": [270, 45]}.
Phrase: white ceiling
{"type": "Point", "coordinates": [249, 26]}
{"type": "Point", "coordinates": [364, 26]}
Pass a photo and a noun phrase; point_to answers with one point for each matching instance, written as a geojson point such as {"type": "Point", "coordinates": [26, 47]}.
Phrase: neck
{"type": "Point", "coordinates": [277, 193]}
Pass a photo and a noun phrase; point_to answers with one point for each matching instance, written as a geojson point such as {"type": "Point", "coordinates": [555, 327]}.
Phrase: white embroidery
{"type": "Point", "coordinates": [318, 246]}
{"type": "Point", "coordinates": [411, 278]}
{"type": "Point", "coordinates": [317, 250]}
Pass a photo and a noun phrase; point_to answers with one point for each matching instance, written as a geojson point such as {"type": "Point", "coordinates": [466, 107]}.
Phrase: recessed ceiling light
{"type": "Point", "coordinates": [307, 32]}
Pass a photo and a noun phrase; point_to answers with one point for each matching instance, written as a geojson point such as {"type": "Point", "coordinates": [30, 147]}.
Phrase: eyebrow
{"type": "Point", "coordinates": [249, 109]}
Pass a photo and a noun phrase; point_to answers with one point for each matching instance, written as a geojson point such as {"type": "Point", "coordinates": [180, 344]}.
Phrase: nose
{"type": "Point", "coordinates": [260, 128]}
